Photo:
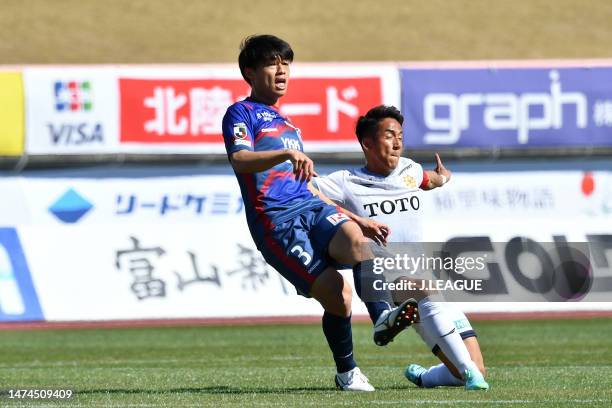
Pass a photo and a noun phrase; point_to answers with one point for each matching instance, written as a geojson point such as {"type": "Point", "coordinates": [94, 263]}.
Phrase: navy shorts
{"type": "Point", "coordinates": [297, 248]}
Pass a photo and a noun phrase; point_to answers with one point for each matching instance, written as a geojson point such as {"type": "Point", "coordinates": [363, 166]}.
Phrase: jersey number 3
{"type": "Point", "coordinates": [300, 253]}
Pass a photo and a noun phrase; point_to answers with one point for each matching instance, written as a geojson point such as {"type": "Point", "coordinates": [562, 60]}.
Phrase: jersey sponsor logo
{"type": "Point", "coordinates": [240, 130]}
{"type": "Point", "coordinates": [266, 116]}
{"type": "Point", "coordinates": [291, 143]}
{"type": "Point", "coordinates": [337, 218]}
{"type": "Point", "coordinates": [391, 206]}
{"type": "Point", "coordinates": [268, 130]}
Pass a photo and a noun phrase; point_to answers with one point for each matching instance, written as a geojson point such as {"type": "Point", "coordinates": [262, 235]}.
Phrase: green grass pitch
{"type": "Point", "coordinates": [541, 363]}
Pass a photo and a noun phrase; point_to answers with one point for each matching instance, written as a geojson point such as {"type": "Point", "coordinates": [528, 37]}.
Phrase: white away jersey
{"type": "Point", "coordinates": [393, 200]}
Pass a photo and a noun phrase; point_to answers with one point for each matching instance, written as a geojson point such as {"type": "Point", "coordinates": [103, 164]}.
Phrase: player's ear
{"type": "Point", "coordinates": [249, 73]}
{"type": "Point", "coordinates": [366, 143]}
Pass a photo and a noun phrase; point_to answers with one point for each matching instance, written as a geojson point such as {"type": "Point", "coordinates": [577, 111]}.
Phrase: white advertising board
{"type": "Point", "coordinates": [209, 269]}
{"type": "Point", "coordinates": [179, 109]}
{"type": "Point", "coordinates": [71, 110]}
{"type": "Point", "coordinates": [479, 196]}
{"type": "Point", "coordinates": [170, 247]}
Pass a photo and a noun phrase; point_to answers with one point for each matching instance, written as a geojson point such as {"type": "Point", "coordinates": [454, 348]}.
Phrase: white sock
{"type": "Point", "coordinates": [439, 375]}
{"type": "Point", "coordinates": [435, 321]}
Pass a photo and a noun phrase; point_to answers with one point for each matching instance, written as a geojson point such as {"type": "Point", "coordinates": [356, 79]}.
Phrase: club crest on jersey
{"type": "Point", "coordinates": [337, 218]}
{"type": "Point", "coordinates": [240, 130]}
{"type": "Point", "coordinates": [266, 116]}
{"type": "Point", "coordinates": [410, 181]}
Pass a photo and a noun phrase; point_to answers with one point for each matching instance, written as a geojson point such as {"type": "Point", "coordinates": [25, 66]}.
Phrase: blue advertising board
{"type": "Point", "coordinates": [507, 107]}
{"type": "Point", "coordinates": [18, 298]}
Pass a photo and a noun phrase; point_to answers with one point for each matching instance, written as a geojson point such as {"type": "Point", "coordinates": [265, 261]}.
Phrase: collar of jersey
{"type": "Point", "coordinates": [249, 99]}
{"type": "Point", "coordinates": [365, 170]}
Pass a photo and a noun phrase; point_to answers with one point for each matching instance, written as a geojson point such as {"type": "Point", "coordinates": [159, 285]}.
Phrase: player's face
{"type": "Point", "coordinates": [384, 150]}
{"type": "Point", "coordinates": [270, 80]}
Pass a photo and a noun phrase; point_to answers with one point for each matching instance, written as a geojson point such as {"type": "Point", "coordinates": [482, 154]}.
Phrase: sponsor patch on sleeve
{"type": "Point", "coordinates": [242, 142]}
{"type": "Point", "coordinates": [240, 130]}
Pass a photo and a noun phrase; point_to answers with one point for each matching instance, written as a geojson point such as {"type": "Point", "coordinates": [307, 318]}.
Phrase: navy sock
{"type": "Point", "coordinates": [375, 307]}
{"type": "Point", "coordinates": [339, 336]}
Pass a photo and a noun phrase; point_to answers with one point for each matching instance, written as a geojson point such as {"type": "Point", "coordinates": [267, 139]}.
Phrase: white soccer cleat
{"type": "Point", "coordinates": [390, 323]}
{"type": "Point", "coordinates": [353, 380]}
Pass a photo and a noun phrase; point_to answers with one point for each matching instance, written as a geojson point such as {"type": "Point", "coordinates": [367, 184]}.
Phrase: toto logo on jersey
{"type": "Point", "coordinates": [391, 206]}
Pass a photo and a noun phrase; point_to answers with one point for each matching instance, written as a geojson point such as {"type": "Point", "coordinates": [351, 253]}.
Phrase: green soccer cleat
{"type": "Point", "coordinates": [474, 381]}
{"type": "Point", "coordinates": [413, 373]}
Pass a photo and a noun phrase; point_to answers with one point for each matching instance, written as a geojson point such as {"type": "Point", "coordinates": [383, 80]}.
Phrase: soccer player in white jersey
{"type": "Point", "coordinates": [386, 189]}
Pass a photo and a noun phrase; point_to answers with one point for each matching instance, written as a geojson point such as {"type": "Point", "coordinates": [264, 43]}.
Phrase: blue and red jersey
{"type": "Point", "coordinates": [274, 195]}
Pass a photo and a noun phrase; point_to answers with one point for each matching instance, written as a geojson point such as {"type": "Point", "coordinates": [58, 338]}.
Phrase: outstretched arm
{"type": "Point", "coordinates": [437, 177]}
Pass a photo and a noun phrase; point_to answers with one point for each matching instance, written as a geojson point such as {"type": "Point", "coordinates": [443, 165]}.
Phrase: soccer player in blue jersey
{"type": "Point", "coordinates": [297, 233]}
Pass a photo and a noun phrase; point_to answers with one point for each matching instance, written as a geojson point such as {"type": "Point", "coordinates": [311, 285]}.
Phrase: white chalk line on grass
{"type": "Point", "coordinates": [426, 402]}
{"type": "Point", "coordinates": [110, 363]}
{"type": "Point", "coordinates": [343, 403]}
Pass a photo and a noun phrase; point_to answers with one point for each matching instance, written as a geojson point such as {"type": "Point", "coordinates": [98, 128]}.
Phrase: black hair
{"type": "Point", "coordinates": [256, 50]}
{"type": "Point", "coordinates": [368, 125]}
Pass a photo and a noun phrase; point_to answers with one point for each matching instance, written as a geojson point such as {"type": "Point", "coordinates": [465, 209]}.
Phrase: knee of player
{"type": "Point", "coordinates": [347, 293]}
{"type": "Point", "coordinates": [344, 300]}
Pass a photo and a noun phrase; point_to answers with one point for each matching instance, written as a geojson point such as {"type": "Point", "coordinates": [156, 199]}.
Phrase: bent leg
{"type": "Point", "coordinates": [349, 247]}
{"type": "Point", "coordinates": [447, 373]}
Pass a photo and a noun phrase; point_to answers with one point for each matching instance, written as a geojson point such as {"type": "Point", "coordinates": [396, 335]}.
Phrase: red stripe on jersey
{"type": "Point", "coordinates": [246, 104]}
{"type": "Point", "coordinates": [291, 263]}
{"type": "Point", "coordinates": [253, 195]}
{"type": "Point", "coordinates": [273, 175]}
{"type": "Point", "coordinates": [268, 225]}
{"type": "Point", "coordinates": [425, 182]}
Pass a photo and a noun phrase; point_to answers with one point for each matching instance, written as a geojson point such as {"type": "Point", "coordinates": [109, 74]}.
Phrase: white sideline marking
{"type": "Point", "coordinates": [352, 403]}
{"type": "Point", "coordinates": [440, 402]}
